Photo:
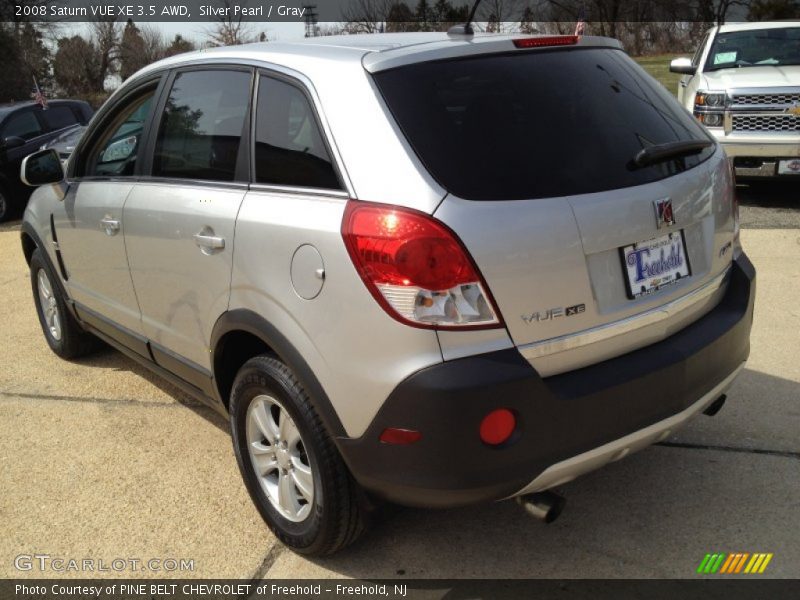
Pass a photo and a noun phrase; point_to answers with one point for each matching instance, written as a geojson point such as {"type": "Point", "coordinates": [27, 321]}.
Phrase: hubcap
{"type": "Point", "coordinates": [279, 458]}
{"type": "Point", "coordinates": [49, 306]}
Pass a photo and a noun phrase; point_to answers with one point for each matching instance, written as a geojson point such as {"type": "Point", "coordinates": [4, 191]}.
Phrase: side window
{"type": "Point", "coordinates": [202, 125]}
{"type": "Point", "coordinates": [59, 117]}
{"type": "Point", "coordinates": [24, 125]}
{"type": "Point", "coordinates": [116, 148]}
{"type": "Point", "coordinates": [289, 148]}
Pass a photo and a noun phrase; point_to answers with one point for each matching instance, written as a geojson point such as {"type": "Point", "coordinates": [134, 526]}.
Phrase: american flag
{"type": "Point", "coordinates": [580, 26]}
{"type": "Point", "coordinates": [38, 95]}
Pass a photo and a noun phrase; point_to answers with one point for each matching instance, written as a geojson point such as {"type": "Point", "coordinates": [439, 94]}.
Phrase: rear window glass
{"type": "Point", "coordinates": [537, 124]}
{"type": "Point", "coordinates": [59, 117]}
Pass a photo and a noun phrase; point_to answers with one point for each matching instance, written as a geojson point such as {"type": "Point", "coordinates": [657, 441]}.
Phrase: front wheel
{"type": "Point", "coordinates": [289, 463]}
{"type": "Point", "coordinates": [63, 333]}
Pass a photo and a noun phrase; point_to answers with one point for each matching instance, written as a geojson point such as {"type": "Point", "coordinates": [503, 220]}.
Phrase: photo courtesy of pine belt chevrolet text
{"type": "Point", "coordinates": [431, 269]}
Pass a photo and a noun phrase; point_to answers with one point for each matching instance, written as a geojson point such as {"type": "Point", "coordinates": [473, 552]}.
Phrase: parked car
{"type": "Point", "coordinates": [25, 127]}
{"type": "Point", "coordinates": [743, 84]}
{"type": "Point", "coordinates": [432, 269]}
{"type": "Point", "coordinates": [65, 142]}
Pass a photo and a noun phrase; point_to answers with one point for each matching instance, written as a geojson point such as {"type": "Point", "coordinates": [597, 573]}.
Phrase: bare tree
{"type": "Point", "coordinates": [367, 16]}
{"type": "Point", "coordinates": [230, 30]}
{"type": "Point", "coordinates": [106, 40]}
{"type": "Point", "coordinates": [499, 15]}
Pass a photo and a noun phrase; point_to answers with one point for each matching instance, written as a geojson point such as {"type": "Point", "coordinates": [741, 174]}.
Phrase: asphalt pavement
{"type": "Point", "coordinates": [99, 459]}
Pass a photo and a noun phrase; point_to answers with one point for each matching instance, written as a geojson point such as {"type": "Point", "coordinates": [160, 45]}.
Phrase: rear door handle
{"type": "Point", "coordinates": [110, 226]}
{"type": "Point", "coordinates": [208, 242]}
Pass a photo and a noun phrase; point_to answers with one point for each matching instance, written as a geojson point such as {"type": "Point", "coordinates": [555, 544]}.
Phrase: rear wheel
{"type": "Point", "coordinates": [289, 463]}
{"type": "Point", "coordinates": [5, 206]}
{"type": "Point", "coordinates": [63, 333]}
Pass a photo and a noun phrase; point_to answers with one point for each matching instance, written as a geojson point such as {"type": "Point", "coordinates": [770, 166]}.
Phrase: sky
{"type": "Point", "coordinates": [276, 31]}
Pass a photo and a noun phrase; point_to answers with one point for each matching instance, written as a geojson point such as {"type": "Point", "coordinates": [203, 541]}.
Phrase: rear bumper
{"type": "Point", "coordinates": [567, 424]}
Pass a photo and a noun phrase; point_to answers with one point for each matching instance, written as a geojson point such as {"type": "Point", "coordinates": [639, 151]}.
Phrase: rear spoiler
{"type": "Point", "coordinates": [444, 49]}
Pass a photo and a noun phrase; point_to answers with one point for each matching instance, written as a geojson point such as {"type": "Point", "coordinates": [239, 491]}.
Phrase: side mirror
{"type": "Point", "coordinates": [683, 65]}
{"type": "Point", "coordinates": [12, 142]}
{"type": "Point", "coordinates": [41, 168]}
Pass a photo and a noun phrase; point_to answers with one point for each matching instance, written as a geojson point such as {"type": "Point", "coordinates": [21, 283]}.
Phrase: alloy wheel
{"type": "Point", "coordinates": [279, 459]}
{"type": "Point", "coordinates": [49, 305]}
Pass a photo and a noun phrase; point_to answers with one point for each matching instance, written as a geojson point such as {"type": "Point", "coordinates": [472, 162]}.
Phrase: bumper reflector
{"type": "Point", "coordinates": [498, 426]}
{"type": "Point", "coordinates": [402, 437]}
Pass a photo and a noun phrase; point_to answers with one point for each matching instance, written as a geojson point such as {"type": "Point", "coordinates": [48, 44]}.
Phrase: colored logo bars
{"type": "Point", "coordinates": [735, 563]}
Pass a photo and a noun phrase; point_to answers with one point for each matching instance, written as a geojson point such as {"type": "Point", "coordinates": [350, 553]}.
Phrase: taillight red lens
{"type": "Point", "coordinates": [550, 40]}
{"type": "Point", "coordinates": [416, 267]}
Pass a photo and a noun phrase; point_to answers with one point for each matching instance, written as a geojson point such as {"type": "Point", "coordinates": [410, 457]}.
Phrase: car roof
{"type": "Point", "coordinates": [757, 25]}
{"type": "Point", "coordinates": [375, 51]}
{"type": "Point", "coordinates": [8, 107]}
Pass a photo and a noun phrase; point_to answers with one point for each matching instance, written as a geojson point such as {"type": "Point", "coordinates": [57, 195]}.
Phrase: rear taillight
{"type": "Point", "coordinates": [416, 268]}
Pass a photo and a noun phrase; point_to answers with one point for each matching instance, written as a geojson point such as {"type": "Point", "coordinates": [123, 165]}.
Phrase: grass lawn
{"type": "Point", "coordinates": [658, 66]}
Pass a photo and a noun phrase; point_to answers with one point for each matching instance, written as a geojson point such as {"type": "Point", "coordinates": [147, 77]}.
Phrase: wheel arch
{"type": "Point", "coordinates": [241, 334]}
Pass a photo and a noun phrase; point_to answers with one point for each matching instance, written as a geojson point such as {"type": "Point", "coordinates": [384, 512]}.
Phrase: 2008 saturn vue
{"type": "Point", "coordinates": [432, 269]}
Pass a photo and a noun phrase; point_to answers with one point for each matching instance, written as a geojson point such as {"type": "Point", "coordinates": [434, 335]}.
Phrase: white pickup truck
{"type": "Point", "coordinates": [743, 84]}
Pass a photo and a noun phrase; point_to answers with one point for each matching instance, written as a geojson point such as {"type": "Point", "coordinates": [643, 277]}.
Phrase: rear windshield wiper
{"type": "Point", "coordinates": [663, 152]}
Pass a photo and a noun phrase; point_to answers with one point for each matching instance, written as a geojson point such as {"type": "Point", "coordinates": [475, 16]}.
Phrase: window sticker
{"type": "Point", "coordinates": [724, 57]}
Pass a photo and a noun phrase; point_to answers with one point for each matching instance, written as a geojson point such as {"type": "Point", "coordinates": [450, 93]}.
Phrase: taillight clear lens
{"type": "Point", "coordinates": [416, 268]}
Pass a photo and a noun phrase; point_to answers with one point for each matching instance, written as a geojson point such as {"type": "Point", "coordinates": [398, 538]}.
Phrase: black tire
{"type": "Point", "coordinates": [72, 341]}
{"type": "Point", "coordinates": [6, 207]}
{"type": "Point", "coordinates": [336, 515]}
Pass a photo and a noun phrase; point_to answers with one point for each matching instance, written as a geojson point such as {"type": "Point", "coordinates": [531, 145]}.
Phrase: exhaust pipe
{"type": "Point", "coordinates": [545, 506]}
{"type": "Point", "coordinates": [715, 406]}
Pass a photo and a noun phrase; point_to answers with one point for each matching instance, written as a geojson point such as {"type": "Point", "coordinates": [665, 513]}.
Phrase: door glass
{"type": "Point", "coordinates": [202, 125]}
{"type": "Point", "coordinates": [59, 117]}
{"type": "Point", "coordinates": [289, 146]}
{"type": "Point", "coordinates": [115, 154]}
{"type": "Point", "coordinates": [24, 125]}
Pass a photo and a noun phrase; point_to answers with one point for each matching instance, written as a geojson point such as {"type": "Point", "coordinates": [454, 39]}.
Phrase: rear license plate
{"type": "Point", "coordinates": [654, 264]}
{"type": "Point", "coordinates": [789, 167]}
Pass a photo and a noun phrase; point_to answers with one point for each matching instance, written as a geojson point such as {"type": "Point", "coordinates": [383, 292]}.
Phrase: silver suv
{"type": "Point", "coordinates": [425, 268]}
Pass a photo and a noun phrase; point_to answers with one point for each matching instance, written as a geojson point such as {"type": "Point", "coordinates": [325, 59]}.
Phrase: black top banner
{"type": "Point", "coordinates": [381, 12]}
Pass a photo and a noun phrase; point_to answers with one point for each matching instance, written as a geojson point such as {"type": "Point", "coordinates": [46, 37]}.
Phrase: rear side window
{"type": "Point", "coordinates": [537, 124]}
{"type": "Point", "coordinates": [59, 117]}
{"type": "Point", "coordinates": [289, 148]}
{"type": "Point", "coordinates": [202, 125]}
{"type": "Point", "coordinates": [24, 125]}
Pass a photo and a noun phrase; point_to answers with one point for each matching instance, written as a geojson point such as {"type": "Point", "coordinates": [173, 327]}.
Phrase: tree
{"type": "Point", "coordinates": [106, 37]}
{"type": "Point", "coordinates": [527, 22]}
{"type": "Point", "coordinates": [367, 16]}
{"type": "Point", "coordinates": [423, 15]}
{"type": "Point", "coordinates": [131, 51]}
{"type": "Point", "coordinates": [179, 45]}
{"type": "Point", "coordinates": [400, 18]}
{"type": "Point", "coordinates": [498, 14]}
{"type": "Point", "coordinates": [773, 10]}
{"type": "Point", "coordinates": [230, 30]}
{"type": "Point", "coordinates": [76, 67]}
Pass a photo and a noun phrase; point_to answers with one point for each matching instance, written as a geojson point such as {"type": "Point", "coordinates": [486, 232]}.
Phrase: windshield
{"type": "Point", "coordinates": [538, 124]}
{"type": "Point", "coordinates": [756, 48]}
